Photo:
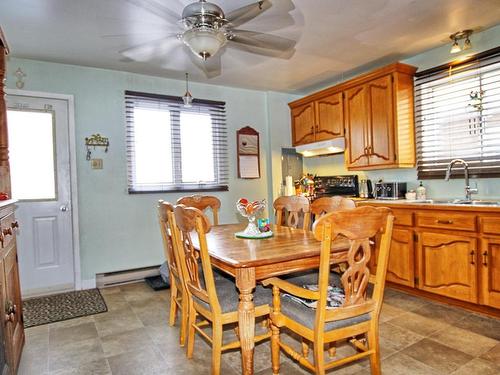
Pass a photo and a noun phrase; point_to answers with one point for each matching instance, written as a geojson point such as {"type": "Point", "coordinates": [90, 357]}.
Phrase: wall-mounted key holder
{"type": "Point", "coordinates": [96, 140]}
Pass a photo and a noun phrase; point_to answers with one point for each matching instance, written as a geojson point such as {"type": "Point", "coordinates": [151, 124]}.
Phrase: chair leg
{"type": "Point", "coordinates": [173, 304]}
{"type": "Point", "coordinates": [216, 347]}
{"type": "Point", "coordinates": [374, 345]}
{"type": "Point", "coordinates": [191, 312]}
{"type": "Point", "coordinates": [332, 350]}
{"type": "Point", "coordinates": [319, 358]}
{"type": "Point", "coordinates": [184, 317]}
{"type": "Point", "coordinates": [275, 349]}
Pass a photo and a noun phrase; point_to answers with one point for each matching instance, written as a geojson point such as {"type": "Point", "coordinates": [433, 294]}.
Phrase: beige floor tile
{"type": "Point", "coordinates": [125, 342]}
{"type": "Point", "coordinates": [418, 323]}
{"type": "Point", "coordinates": [97, 367]}
{"type": "Point", "coordinates": [144, 362]}
{"type": "Point", "coordinates": [116, 322]}
{"type": "Point", "coordinates": [478, 366]}
{"type": "Point", "coordinates": [390, 312]}
{"type": "Point", "coordinates": [493, 355]}
{"type": "Point", "coordinates": [74, 354]}
{"type": "Point", "coordinates": [110, 290]}
{"type": "Point", "coordinates": [396, 337]}
{"type": "Point", "coordinates": [402, 300]}
{"type": "Point", "coordinates": [61, 336]}
{"type": "Point", "coordinates": [469, 342]}
{"type": "Point", "coordinates": [438, 356]}
{"type": "Point", "coordinates": [482, 325]}
{"type": "Point", "coordinates": [400, 364]}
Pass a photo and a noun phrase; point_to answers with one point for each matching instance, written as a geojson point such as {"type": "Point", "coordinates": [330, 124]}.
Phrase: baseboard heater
{"type": "Point", "coordinates": [108, 279]}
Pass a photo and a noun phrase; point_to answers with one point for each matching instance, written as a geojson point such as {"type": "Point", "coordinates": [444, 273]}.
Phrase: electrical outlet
{"type": "Point", "coordinates": [96, 163]}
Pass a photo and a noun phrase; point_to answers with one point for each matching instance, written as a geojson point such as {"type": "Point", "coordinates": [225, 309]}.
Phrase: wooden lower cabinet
{"type": "Point", "coordinates": [401, 265]}
{"type": "Point", "coordinates": [489, 264]}
{"type": "Point", "coordinates": [448, 265]}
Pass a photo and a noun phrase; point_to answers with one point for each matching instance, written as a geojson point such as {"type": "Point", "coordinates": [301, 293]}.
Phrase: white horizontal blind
{"type": "Point", "coordinates": [173, 148]}
{"type": "Point", "coordinates": [458, 116]}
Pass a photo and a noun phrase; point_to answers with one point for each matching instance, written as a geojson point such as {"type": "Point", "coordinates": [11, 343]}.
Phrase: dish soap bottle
{"type": "Point", "coordinates": [421, 192]}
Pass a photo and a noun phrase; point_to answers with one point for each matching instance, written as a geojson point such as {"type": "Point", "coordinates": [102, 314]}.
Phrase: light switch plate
{"type": "Point", "coordinates": [96, 163]}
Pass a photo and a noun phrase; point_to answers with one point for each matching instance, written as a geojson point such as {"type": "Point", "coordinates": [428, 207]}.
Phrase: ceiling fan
{"type": "Point", "coordinates": [206, 31]}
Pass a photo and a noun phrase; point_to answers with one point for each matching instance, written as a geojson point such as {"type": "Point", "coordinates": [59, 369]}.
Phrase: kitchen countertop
{"type": "Point", "coordinates": [442, 204]}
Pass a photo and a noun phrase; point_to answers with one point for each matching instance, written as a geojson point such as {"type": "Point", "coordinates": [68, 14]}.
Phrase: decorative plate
{"type": "Point", "coordinates": [254, 237]}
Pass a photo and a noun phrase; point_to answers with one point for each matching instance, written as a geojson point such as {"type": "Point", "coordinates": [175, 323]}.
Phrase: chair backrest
{"type": "Point", "coordinates": [202, 202]}
{"type": "Point", "coordinates": [358, 225]}
{"type": "Point", "coordinates": [187, 221]}
{"type": "Point", "coordinates": [295, 206]}
{"type": "Point", "coordinates": [325, 205]}
{"type": "Point", "coordinates": [166, 234]}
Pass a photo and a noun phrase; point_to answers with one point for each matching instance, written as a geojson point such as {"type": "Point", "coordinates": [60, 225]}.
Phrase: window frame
{"type": "Point", "coordinates": [482, 166]}
{"type": "Point", "coordinates": [174, 104]}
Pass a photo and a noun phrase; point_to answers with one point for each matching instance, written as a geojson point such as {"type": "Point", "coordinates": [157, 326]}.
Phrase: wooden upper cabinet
{"type": "Point", "coordinates": [303, 124]}
{"type": "Point", "coordinates": [329, 117]}
{"type": "Point", "coordinates": [357, 124]}
{"type": "Point", "coordinates": [381, 122]}
{"type": "Point", "coordinates": [377, 115]}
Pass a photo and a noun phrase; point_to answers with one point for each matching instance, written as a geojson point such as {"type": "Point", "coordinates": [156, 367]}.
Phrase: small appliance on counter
{"type": "Point", "coordinates": [345, 185]}
{"type": "Point", "coordinates": [365, 189]}
{"type": "Point", "coordinates": [390, 190]}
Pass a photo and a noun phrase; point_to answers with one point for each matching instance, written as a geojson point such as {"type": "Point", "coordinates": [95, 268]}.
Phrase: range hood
{"type": "Point", "coordinates": [332, 146]}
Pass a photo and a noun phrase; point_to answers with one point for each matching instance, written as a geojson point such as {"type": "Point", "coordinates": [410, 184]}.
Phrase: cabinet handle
{"type": "Point", "coordinates": [444, 221]}
{"type": "Point", "coordinates": [14, 224]}
{"type": "Point", "coordinates": [485, 258]}
{"type": "Point", "coordinates": [472, 257]}
{"type": "Point", "coordinates": [9, 317]}
{"type": "Point", "coordinates": [7, 231]}
{"type": "Point", "coordinates": [317, 128]}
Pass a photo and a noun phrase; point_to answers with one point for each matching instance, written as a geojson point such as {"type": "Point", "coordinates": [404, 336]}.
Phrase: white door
{"type": "Point", "coordinates": [40, 175]}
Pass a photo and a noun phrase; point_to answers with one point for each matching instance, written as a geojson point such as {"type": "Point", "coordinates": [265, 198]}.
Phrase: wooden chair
{"type": "Point", "coordinates": [325, 205]}
{"type": "Point", "coordinates": [215, 301]}
{"type": "Point", "coordinates": [295, 207]}
{"type": "Point", "coordinates": [359, 314]}
{"type": "Point", "coordinates": [202, 202]}
{"type": "Point", "coordinates": [178, 296]}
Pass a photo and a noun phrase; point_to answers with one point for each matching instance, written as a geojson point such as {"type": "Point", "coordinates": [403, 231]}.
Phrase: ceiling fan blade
{"type": "Point", "coordinates": [212, 67]}
{"type": "Point", "coordinates": [285, 55]}
{"type": "Point", "coordinates": [156, 8]}
{"type": "Point", "coordinates": [147, 51]}
{"type": "Point", "coordinates": [261, 40]}
{"type": "Point", "coordinates": [244, 14]}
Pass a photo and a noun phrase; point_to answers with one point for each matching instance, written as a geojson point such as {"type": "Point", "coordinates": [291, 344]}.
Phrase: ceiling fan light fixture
{"type": "Point", "coordinates": [461, 35]}
{"type": "Point", "coordinates": [467, 44]}
{"type": "Point", "coordinates": [204, 42]}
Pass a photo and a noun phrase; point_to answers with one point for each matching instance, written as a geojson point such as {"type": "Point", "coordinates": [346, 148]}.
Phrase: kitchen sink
{"type": "Point", "coordinates": [460, 202]}
{"type": "Point", "coordinates": [478, 203]}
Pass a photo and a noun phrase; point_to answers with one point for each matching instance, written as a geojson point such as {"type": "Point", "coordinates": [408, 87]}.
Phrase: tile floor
{"type": "Point", "coordinates": [417, 337]}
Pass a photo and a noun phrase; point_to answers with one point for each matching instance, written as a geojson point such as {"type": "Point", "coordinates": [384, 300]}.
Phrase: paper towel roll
{"type": "Point", "coordinates": [289, 187]}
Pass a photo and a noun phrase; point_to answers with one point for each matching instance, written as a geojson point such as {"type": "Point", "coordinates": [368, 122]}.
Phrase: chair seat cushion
{"type": "Point", "coordinates": [228, 294]}
{"type": "Point", "coordinates": [306, 315]}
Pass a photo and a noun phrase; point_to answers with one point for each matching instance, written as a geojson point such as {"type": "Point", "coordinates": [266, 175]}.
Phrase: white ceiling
{"type": "Point", "coordinates": [334, 36]}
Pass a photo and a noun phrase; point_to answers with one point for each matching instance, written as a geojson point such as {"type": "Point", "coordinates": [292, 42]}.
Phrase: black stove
{"type": "Point", "coordinates": [327, 186]}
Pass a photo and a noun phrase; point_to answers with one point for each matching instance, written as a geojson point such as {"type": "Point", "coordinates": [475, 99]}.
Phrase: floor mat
{"type": "Point", "coordinates": [64, 306]}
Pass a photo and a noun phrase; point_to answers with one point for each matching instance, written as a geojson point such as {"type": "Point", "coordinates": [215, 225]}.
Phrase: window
{"type": "Point", "coordinates": [171, 148]}
{"type": "Point", "coordinates": [458, 116]}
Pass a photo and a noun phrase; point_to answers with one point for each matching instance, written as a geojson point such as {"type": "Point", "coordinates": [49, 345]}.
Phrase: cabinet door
{"type": "Point", "coordinates": [329, 117]}
{"type": "Point", "coordinates": [490, 272]}
{"type": "Point", "coordinates": [303, 123]}
{"type": "Point", "coordinates": [13, 307]}
{"type": "Point", "coordinates": [401, 267]}
{"type": "Point", "coordinates": [357, 122]}
{"type": "Point", "coordinates": [448, 265]}
{"type": "Point", "coordinates": [381, 121]}
{"type": "Point", "coordinates": [4, 350]}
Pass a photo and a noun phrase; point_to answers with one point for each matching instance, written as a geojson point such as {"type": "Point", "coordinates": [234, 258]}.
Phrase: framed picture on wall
{"type": "Point", "coordinates": [247, 140]}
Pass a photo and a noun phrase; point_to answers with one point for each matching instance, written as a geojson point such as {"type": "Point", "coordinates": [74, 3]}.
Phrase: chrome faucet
{"type": "Point", "coordinates": [468, 190]}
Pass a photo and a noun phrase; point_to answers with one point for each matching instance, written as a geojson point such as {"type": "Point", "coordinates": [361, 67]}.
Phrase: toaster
{"type": "Point", "coordinates": [390, 190]}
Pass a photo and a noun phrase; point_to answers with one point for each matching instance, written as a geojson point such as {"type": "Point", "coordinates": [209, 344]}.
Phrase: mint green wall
{"type": "Point", "coordinates": [488, 188]}
{"type": "Point", "coordinates": [117, 230]}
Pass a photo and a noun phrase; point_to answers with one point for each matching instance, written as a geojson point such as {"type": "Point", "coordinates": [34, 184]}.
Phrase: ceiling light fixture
{"type": "Point", "coordinates": [187, 98]}
{"type": "Point", "coordinates": [204, 41]}
{"type": "Point", "coordinates": [459, 35]}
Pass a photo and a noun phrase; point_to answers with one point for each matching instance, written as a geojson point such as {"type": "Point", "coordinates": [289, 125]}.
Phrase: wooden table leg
{"type": "Point", "coordinates": [245, 281]}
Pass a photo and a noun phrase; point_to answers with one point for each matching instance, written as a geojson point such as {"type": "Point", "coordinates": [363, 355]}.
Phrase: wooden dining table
{"type": "Point", "coordinates": [250, 260]}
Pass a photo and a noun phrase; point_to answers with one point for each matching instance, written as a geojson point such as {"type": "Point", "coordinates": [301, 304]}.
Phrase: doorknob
{"type": "Point", "coordinates": [63, 208]}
